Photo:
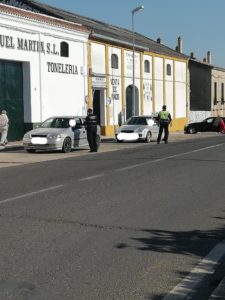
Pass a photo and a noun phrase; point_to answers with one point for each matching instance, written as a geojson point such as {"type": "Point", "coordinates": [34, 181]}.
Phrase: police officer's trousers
{"type": "Point", "coordinates": [92, 139]}
{"type": "Point", "coordinates": [163, 126]}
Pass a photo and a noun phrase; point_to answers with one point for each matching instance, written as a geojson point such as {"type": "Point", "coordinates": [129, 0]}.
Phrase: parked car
{"type": "Point", "coordinates": [138, 128]}
{"type": "Point", "coordinates": [206, 125]}
{"type": "Point", "coordinates": [58, 133]}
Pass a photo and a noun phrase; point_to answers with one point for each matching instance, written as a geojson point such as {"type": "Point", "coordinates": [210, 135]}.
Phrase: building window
{"type": "Point", "coordinates": [215, 93]}
{"type": "Point", "coordinates": [64, 49]}
{"type": "Point", "coordinates": [222, 93]}
{"type": "Point", "coordinates": [168, 70]}
{"type": "Point", "coordinates": [147, 66]}
{"type": "Point", "coordinates": [114, 61]}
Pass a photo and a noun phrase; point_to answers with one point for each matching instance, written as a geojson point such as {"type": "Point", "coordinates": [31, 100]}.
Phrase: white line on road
{"type": "Point", "coordinates": [165, 158]}
{"type": "Point", "coordinates": [31, 194]}
{"type": "Point", "coordinates": [206, 266]}
{"type": "Point", "coordinates": [92, 177]}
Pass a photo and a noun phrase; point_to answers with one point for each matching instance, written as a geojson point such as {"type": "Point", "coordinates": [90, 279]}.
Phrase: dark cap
{"type": "Point", "coordinates": [164, 107]}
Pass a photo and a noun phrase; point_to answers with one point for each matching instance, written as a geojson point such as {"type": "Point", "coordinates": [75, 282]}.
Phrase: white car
{"type": "Point", "coordinates": [138, 128]}
{"type": "Point", "coordinates": [58, 133]}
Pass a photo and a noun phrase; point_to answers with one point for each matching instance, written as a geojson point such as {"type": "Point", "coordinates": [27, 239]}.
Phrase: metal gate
{"type": "Point", "coordinates": [11, 97]}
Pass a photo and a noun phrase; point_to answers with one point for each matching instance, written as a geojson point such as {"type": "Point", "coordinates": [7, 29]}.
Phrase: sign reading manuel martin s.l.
{"type": "Point", "coordinates": [23, 44]}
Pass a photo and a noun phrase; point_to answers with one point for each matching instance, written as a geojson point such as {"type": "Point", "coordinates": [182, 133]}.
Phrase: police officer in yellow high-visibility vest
{"type": "Point", "coordinates": [164, 119]}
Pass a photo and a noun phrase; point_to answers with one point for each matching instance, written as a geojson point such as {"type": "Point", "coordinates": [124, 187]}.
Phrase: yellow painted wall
{"type": "Point", "coordinates": [178, 124]}
{"type": "Point", "coordinates": [109, 130]}
{"type": "Point", "coordinates": [90, 100]}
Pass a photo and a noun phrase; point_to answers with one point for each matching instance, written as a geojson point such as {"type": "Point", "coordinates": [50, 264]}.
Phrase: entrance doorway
{"type": "Point", "coordinates": [96, 105]}
{"type": "Point", "coordinates": [11, 97]}
{"type": "Point", "coordinates": [99, 106]}
{"type": "Point", "coordinates": [129, 102]}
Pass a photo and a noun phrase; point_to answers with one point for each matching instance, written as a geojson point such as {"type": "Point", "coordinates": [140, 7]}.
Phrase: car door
{"type": "Point", "coordinates": [208, 124]}
{"type": "Point", "coordinates": [83, 132]}
{"type": "Point", "coordinates": [79, 133]}
{"type": "Point", "coordinates": [153, 126]}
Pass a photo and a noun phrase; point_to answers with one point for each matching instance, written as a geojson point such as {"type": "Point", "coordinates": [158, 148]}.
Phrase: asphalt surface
{"type": "Point", "coordinates": [129, 224]}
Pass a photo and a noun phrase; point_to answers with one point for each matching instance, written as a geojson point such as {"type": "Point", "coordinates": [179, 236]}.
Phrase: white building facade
{"type": "Point", "coordinates": [43, 68]}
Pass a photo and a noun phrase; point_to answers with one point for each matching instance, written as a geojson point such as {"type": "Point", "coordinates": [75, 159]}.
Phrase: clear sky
{"type": "Point", "coordinates": [200, 23]}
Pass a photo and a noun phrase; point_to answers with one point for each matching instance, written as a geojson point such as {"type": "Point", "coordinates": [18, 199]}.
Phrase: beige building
{"type": "Point", "coordinates": [218, 90]}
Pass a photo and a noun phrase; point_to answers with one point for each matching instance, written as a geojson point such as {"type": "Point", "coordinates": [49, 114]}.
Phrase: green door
{"type": "Point", "coordinates": [11, 97]}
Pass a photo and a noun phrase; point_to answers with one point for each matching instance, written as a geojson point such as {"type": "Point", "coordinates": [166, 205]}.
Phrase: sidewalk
{"type": "Point", "coordinates": [12, 146]}
{"type": "Point", "coordinates": [174, 136]}
{"type": "Point", "coordinates": [18, 145]}
{"type": "Point", "coordinates": [219, 292]}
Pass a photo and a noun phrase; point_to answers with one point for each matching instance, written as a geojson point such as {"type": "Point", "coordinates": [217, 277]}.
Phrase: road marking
{"type": "Point", "coordinates": [92, 177]}
{"type": "Point", "coordinates": [165, 158]}
{"type": "Point", "coordinates": [31, 194]}
{"type": "Point", "coordinates": [206, 266]}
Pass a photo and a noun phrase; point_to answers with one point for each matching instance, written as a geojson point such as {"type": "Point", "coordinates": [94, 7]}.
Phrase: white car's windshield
{"type": "Point", "coordinates": [137, 121]}
{"type": "Point", "coordinates": [56, 123]}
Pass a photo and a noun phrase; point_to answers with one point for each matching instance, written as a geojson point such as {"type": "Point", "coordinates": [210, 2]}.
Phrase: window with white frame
{"type": "Point", "coordinates": [114, 61]}
{"type": "Point", "coordinates": [215, 93]}
{"type": "Point", "coordinates": [168, 70]}
{"type": "Point", "coordinates": [147, 66]}
{"type": "Point", "coordinates": [222, 93]}
{"type": "Point", "coordinates": [64, 49]}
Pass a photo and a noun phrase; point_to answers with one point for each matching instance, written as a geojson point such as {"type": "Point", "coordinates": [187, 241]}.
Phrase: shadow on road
{"type": "Point", "coordinates": [181, 242]}
{"type": "Point", "coordinates": [197, 243]}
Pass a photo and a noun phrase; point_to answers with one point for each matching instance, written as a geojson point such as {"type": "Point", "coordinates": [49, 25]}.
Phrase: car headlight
{"type": "Point", "coordinates": [54, 136]}
{"type": "Point", "coordinates": [27, 136]}
{"type": "Point", "coordinates": [138, 130]}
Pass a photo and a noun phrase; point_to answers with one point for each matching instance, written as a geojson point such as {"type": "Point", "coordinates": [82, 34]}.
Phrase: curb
{"type": "Point", "coordinates": [19, 146]}
{"type": "Point", "coordinates": [103, 140]}
{"type": "Point", "coordinates": [219, 292]}
{"type": "Point", "coordinates": [11, 148]}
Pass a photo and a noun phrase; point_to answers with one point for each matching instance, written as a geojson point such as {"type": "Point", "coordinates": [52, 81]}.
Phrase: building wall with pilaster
{"type": "Point", "coordinates": [218, 96]}
{"type": "Point", "coordinates": [155, 87]}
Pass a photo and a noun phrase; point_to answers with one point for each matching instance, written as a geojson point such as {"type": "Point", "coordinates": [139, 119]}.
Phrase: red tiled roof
{"type": "Point", "coordinates": [41, 18]}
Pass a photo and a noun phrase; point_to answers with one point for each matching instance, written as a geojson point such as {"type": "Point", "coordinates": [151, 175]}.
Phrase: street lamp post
{"type": "Point", "coordinates": [137, 9]}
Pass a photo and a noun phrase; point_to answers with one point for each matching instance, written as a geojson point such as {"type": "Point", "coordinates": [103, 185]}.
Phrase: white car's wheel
{"type": "Point", "coordinates": [67, 145]}
{"type": "Point", "coordinates": [30, 150]}
{"type": "Point", "coordinates": [119, 141]}
{"type": "Point", "coordinates": [148, 137]}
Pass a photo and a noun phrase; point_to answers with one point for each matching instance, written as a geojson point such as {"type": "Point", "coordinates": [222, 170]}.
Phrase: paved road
{"type": "Point", "coordinates": [13, 155]}
{"type": "Point", "coordinates": [130, 224]}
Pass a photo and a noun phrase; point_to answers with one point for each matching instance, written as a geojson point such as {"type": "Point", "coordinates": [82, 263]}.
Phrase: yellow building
{"type": "Point", "coordinates": [161, 77]}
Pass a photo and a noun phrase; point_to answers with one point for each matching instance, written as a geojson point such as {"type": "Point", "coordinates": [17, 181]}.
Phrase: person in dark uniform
{"type": "Point", "coordinates": [91, 123]}
{"type": "Point", "coordinates": [164, 119]}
